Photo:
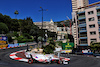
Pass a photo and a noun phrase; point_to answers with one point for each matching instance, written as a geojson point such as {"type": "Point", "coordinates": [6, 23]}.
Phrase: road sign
{"type": "Point", "coordinates": [3, 38]}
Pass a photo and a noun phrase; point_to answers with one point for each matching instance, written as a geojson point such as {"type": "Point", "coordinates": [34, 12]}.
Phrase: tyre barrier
{"type": "Point", "coordinates": [13, 56]}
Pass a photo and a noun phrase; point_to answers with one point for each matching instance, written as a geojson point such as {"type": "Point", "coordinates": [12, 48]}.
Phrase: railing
{"type": "Point", "coordinates": [82, 29]}
{"type": "Point", "coordinates": [83, 42]}
{"type": "Point", "coordinates": [82, 22]}
{"type": "Point", "coordinates": [98, 19]}
{"type": "Point", "coordinates": [98, 12]}
{"type": "Point", "coordinates": [81, 16]}
{"type": "Point", "coordinates": [83, 35]}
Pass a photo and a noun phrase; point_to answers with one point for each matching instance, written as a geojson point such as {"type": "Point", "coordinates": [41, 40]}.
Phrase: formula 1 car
{"type": "Point", "coordinates": [46, 58]}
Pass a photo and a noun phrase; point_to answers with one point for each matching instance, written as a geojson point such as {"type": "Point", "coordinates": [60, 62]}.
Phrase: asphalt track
{"type": "Point", "coordinates": [76, 61]}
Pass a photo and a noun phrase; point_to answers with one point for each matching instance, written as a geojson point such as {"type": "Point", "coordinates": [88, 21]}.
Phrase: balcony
{"type": "Point", "coordinates": [81, 12]}
{"type": "Point", "coordinates": [83, 22]}
{"type": "Point", "coordinates": [83, 44]}
{"type": "Point", "coordinates": [81, 31]}
{"type": "Point", "coordinates": [82, 25]}
{"type": "Point", "coordinates": [83, 28]}
{"type": "Point", "coordinates": [81, 17]}
{"type": "Point", "coordinates": [83, 38]}
{"type": "Point", "coordinates": [99, 20]}
{"type": "Point", "coordinates": [83, 35]}
{"type": "Point", "coordinates": [99, 29]}
{"type": "Point", "coordinates": [98, 8]}
{"type": "Point", "coordinates": [98, 13]}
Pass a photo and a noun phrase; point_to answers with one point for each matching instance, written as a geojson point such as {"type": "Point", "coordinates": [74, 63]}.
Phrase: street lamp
{"type": "Point", "coordinates": [42, 20]}
{"type": "Point", "coordinates": [16, 13]}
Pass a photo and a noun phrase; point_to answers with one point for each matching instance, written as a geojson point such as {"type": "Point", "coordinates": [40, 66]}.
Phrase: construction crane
{"type": "Point", "coordinates": [70, 25]}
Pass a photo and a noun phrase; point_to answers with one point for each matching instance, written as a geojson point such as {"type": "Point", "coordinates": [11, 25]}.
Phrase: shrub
{"type": "Point", "coordinates": [24, 39]}
{"type": "Point", "coordinates": [16, 34]}
{"type": "Point", "coordinates": [50, 47]}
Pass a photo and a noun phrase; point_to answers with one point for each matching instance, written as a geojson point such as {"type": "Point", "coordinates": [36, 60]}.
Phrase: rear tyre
{"type": "Point", "coordinates": [30, 61]}
{"type": "Point", "coordinates": [60, 62]}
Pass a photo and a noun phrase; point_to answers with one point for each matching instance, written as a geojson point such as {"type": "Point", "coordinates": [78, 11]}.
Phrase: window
{"type": "Point", "coordinates": [92, 26]}
{"type": "Point", "coordinates": [93, 40]}
{"type": "Point", "coordinates": [92, 33]}
{"type": "Point", "coordinates": [91, 12]}
{"type": "Point", "coordinates": [91, 19]}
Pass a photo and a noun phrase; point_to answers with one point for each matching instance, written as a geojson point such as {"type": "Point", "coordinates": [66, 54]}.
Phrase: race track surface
{"type": "Point", "coordinates": [76, 61]}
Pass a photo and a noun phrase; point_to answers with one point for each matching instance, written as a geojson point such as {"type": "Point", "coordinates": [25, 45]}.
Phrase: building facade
{"type": "Point", "coordinates": [87, 25]}
{"type": "Point", "coordinates": [61, 32]}
{"type": "Point", "coordinates": [79, 3]}
{"type": "Point", "coordinates": [50, 26]}
{"type": "Point", "coordinates": [75, 5]}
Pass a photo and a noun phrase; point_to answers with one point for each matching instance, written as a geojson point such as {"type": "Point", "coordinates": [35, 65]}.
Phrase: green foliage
{"type": "Point", "coordinates": [16, 34]}
{"type": "Point", "coordinates": [22, 39]}
{"type": "Point", "coordinates": [95, 46]}
{"type": "Point", "coordinates": [59, 43]}
{"type": "Point", "coordinates": [9, 35]}
{"type": "Point", "coordinates": [26, 27]}
{"type": "Point", "coordinates": [3, 28]}
{"type": "Point", "coordinates": [14, 25]}
{"type": "Point", "coordinates": [27, 35]}
{"type": "Point", "coordinates": [50, 47]}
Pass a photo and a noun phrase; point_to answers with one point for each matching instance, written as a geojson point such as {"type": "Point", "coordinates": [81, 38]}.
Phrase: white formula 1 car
{"type": "Point", "coordinates": [46, 58]}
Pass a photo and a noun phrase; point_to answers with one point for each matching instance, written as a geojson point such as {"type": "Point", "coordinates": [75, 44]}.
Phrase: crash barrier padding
{"type": "Point", "coordinates": [22, 44]}
{"type": "Point", "coordinates": [6, 46]}
{"type": "Point", "coordinates": [13, 45]}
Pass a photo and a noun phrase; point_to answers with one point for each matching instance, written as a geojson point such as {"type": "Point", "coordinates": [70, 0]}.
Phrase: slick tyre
{"type": "Point", "coordinates": [59, 62]}
{"type": "Point", "coordinates": [30, 61]}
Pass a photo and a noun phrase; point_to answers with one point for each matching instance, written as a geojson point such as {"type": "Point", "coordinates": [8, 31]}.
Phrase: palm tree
{"type": "Point", "coordinates": [16, 13]}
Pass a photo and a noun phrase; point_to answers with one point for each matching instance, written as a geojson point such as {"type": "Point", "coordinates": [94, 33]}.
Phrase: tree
{"type": "Point", "coordinates": [3, 28]}
{"type": "Point", "coordinates": [1, 18]}
{"type": "Point", "coordinates": [95, 46]}
{"type": "Point", "coordinates": [14, 25]}
{"type": "Point", "coordinates": [50, 47]}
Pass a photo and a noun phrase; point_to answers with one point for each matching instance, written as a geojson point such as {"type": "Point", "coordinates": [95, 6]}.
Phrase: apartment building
{"type": "Point", "coordinates": [75, 5]}
{"type": "Point", "coordinates": [79, 3]}
{"type": "Point", "coordinates": [87, 25]}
